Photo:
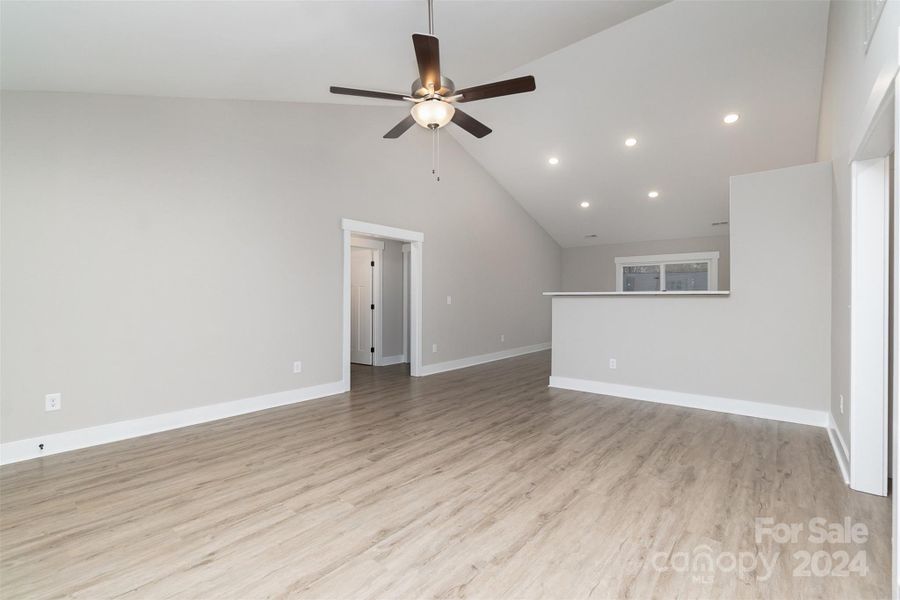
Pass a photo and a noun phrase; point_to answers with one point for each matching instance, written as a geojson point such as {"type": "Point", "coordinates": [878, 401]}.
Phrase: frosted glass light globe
{"type": "Point", "coordinates": [432, 113]}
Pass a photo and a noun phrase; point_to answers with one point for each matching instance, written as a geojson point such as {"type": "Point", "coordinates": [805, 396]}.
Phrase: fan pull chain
{"type": "Point", "coordinates": [436, 153]}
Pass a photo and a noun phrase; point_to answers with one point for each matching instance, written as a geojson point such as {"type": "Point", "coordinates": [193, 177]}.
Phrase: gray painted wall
{"type": "Point", "coordinates": [162, 254]}
{"type": "Point", "coordinates": [593, 268]}
{"type": "Point", "coordinates": [850, 75]}
{"type": "Point", "coordinates": [767, 342]}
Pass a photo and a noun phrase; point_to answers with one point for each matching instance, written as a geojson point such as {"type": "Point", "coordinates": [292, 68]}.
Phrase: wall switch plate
{"type": "Point", "coordinates": [53, 401]}
{"type": "Point", "coordinates": [298, 367]}
{"type": "Point", "coordinates": [612, 363]}
{"type": "Point", "coordinates": [449, 300]}
{"type": "Point", "coordinates": [842, 404]}
{"type": "Point", "coordinates": [434, 347]}
{"type": "Point", "coordinates": [502, 338]}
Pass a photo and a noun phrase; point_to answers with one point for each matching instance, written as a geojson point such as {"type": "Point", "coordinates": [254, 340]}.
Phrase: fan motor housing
{"type": "Point", "coordinates": [447, 88]}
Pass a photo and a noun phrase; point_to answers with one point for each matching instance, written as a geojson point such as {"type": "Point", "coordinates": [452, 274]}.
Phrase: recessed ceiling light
{"type": "Point", "coordinates": [630, 142]}
{"type": "Point", "coordinates": [731, 118]}
{"type": "Point", "coordinates": [553, 160]}
{"type": "Point", "coordinates": [585, 204]}
{"type": "Point", "coordinates": [653, 194]}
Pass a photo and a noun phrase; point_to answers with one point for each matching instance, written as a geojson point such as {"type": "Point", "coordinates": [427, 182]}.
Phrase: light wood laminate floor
{"type": "Point", "coordinates": [477, 483]}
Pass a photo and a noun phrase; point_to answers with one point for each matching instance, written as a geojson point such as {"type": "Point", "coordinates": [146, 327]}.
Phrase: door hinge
{"type": "Point", "coordinates": [373, 307]}
{"type": "Point", "coordinates": [373, 263]}
{"type": "Point", "coordinates": [372, 349]}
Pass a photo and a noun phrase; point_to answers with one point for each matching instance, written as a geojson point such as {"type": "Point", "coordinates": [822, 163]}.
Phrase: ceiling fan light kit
{"type": "Point", "coordinates": [434, 96]}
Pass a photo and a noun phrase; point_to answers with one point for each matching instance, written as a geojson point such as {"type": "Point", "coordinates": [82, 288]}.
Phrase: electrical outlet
{"type": "Point", "coordinates": [449, 300]}
{"type": "Point", "coordinates": [53, 401]}
{"type": "Point", "coordinates": [842, 404]}
{"type": "Point", "coordinates": [612, 363]}
{"type": "Point", "coordinates": [434, 347]}
{"type": "Point", "coordinates": [502, 338]}
{"type": "Point", "coordinates": [298, 367]}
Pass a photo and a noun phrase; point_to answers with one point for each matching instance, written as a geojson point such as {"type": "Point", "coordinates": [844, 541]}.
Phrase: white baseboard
{"type": "Point", "coordinates": [392, 360]}
{"type": "Point", "coordinates": [841, 453]}
{"type": "Point", "coordinates": [55, 443]}
{"type": "Point", "coordinates": [471, 361]}
{"type": "Point", "coordinates": [748, 408]}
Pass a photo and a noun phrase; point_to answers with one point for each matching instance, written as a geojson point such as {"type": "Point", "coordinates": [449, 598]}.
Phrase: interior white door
{"type": "Point", "coordinates": [361, 280]}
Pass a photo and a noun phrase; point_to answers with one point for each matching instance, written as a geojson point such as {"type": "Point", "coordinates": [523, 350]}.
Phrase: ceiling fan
{"type": "Point", "coordinates": [434, 96]}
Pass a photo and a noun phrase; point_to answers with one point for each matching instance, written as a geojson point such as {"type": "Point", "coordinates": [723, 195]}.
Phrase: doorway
{"type": "Point", "coordinates": [379, 303]}
{"type": "Point", "coordinates": [362, 302]}
{"type": "Point", "coordinates": [874, 306]}
{"type": "Point", "coordinates": [870, 324]}
{"type": "Point", "coordinates": [366, 242]}
{"type": "Point", "coordinates": [872, 376]}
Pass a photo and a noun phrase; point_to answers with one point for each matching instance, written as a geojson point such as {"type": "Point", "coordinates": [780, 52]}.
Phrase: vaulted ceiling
{"type": "Point", "coordinates": [666, 78]}
{"type": "Point", "coordinates": [664, 73]}
{"type": "Point", "coordinates": [287, 51]}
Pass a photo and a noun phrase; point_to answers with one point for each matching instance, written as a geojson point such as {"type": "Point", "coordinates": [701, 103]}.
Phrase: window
{"type": "Point", "coordinates": [695, 271]}
{"type": "Point", "coordinates": [640, 278]}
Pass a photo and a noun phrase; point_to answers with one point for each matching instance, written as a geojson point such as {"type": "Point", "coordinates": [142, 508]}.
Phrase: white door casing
{"type": "Point", "coordinates": [870, 203]}
{"type": "Point", "coordinates": [416, 240]}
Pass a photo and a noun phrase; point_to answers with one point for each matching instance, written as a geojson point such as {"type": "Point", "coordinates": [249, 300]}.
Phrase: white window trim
{"type": "Point", "coordinates": [711, 258]}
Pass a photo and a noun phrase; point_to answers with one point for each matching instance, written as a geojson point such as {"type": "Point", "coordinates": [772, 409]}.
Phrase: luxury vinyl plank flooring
{"type": "Point", "coordinates": [478, 483]}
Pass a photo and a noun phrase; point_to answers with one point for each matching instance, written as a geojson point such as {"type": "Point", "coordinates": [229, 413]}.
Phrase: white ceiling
{"type": "Point", "coordinates": [289, 51]}
{"type": "Point", "coordinates": [665, 73]}
{"type": "Point", "coordinates": [667, 78]}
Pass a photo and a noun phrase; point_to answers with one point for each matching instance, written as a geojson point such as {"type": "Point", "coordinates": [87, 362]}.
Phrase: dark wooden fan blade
{"type": "Point", "coordinates": [499, 88]}
{"type": "Point", "coordinates": [470, 124]}
{"type": "Point", "coordinates": [400, 128]}
{"type": "Point", "coordinates": [428, 55]}
{"type": "Point", "coordinates": [366, 93]}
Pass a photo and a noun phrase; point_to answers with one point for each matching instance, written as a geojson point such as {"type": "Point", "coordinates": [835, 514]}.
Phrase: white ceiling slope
{"type": "Point", "coordinates": [664, 73]}
{"type": "Point", "coordinates": [666, 77]}
{"type": "Point", "coordinates": [289, 51]}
